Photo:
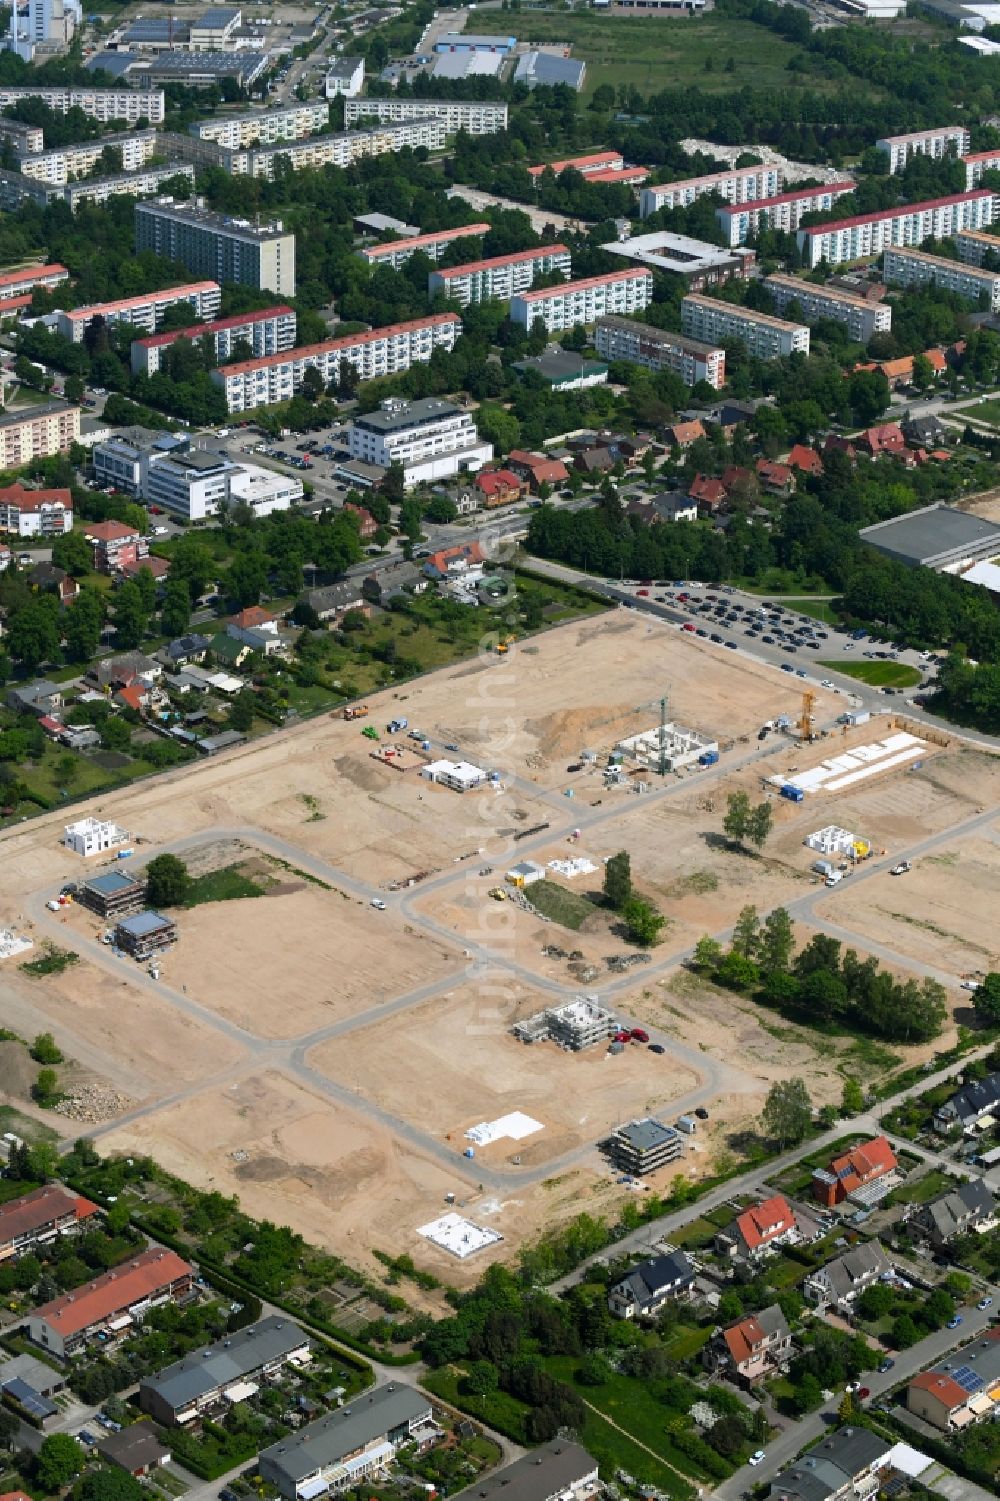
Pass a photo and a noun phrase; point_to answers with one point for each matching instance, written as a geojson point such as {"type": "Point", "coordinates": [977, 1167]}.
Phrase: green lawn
{"type": "Point", "coordinates": [878, 674]}
{"type": "Point", "coordinates": [24, 1126]}
{"type": "Point", "coordinates": [922, 1190]}
{"type": "Point", "coordinates": [986, 411]}
{"type": "Point", "coordinates": [564, 907]}
{"type": "Point", "coordinates": [714, 53]}
{"type": "Point", "coordinates": [818, 609]}
{"type": "Point", "coordinates": [225, 885]}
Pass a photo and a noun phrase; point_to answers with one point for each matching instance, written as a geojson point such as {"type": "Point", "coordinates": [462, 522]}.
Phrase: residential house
{"type": "Point", "coordinates": [136, 696]}
{"type": "Point", "coordinates": [189, 648]}
{"type": "Point", "coordinates": [500, 487]}
{"type": "Point", "coordinates": [256, 628]}
{"type": "Point", "coordinates": [41, 1218]}
{"type": "Point", "coordinates": [35, 513]}
{"type": "Point", "coordinates": [226, 651]}
{"type": "Point", "coordinates": [595, 461]}
{"type": "Point", "coordinates": [708, 493]}
{"type": "Point", "coordinates": [683, 434]}
{"type": "Point", "coordinates": [451, 561]}
{"type": "Point", "coordinates": [49, 578]}
{"type": "Point", "coordinates": [963, 1389]}
{"type": "Point", "coordinates": [804, 460]}
{"type": "Point", "coordinates": [350, 1446]}
{"type": "Point", "coordinates": [367, 525]}
{"type": "Point", "coordinates": [865, 1174]}
{"type": "Point", "coordinates": [537, 469]}
{"type": "Point", "coordinates": [776, 479]}
{"type": "Point", "coordinates": [972, 1107]}
{"type": "Point", "coordinates": [136, 1448]}
{"type": "Point", "coordinates": [740, 482]}
{"type": "Point", "coordinates": [402, 578]}
{"type": "Point", "coordinates": [5, 556]}
{"type": "Point", "coordinates": [924, 431]}
{"type": "Point", "coordinates": [759, 1229]}
{"type": "Point", "coordinates": [557, 1471]}
{"type": "Point", "coordinates": [968, 1208]}
{"type": "Point", "coordinates": [332, 601]}
{"type": "Point", "coordinates": [41, 698]}
{"type": "Point", "coordinates": [116, 672]}
{"type": "Point", "coordinates": [643, 1291]}
{"type": "Point", "coordinates": [674, 506]}
{"type": "Point", "coordinates": [158, 567]}
{"type": "Point", "coordinates": [840, 1283]}
{"type": "Point", "coordinates": [193, 1387]}
{"type": "Point", "coordinates": [878, 442]}
{"type": "Point", "coordinates": [844, 1466]}
{"type": "Point", "coordinates": [114, 1301]}
{"type": "Point", "coordinates": [115, 544]}
{"type": "Point", "coordinates": [753, 1348]}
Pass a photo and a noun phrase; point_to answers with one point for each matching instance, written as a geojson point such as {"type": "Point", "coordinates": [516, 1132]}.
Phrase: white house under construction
{"type": "Point", "coordinates": [577, 1025]}
{"type": "Point", "coordinates": [679, 747]}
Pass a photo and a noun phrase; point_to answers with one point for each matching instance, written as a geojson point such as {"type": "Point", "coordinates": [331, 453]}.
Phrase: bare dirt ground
{"type": "Point", "coordinates": [452, 1063]}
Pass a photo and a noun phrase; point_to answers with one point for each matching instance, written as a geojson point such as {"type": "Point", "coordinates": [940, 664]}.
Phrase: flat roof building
{"type": "Point", "coordinates": [644, 1146]}
{"type": "Point", "coordinates": [735, 185]}
{"type": "Point", "coordinates": [266, 330]}
{"type": "Point", "coordinates": [583, 301]}
{"type": "Point", "coordinates": [469, 41]}
{"type": "Point", "coordinates": [943, 140]}
{"type": "Point", "coordinates": [100, 104]}
{"type": "Point", "coordinates": [546, 69]}
{"type": "Point", "coordinates": [93, 836]}
{"type": "Point", "coordinates": [937, 536]}
{"type": "Point", "coordinates": [579, 1024]}
{"type": "Point", "coordinates": [144, 934]}
{"type": "Point", "coordinates": [973, 246]}
{"type": "Point", "coordinates": [345, 75]}
{"type": "Point", "coordinates": [264, 126]}
{"type": "Point", "coordinates": [58, 166]}
{"type": "Point", "coordinates": [764, 336]}
{"type": "Point", "coordinates": [500, 277]}
{"type": "Point", "coordinates": [347, 1447]}
{"type": "Point", "coordinates": [915, 268]}
{"type": "Point", "coordinates": [144, 311]}
{"type": "Point", "coordinates": [556, 1471]}
{"type": "Point", "coordinates": [699, 262]}
{"type": "Point", "coordinates": [181, 1392]}
{"type": "Point", "coordinates": [218, 245]}
{"type": "Point", "coordinates": [860, 317]}
{"type": "Point", "coordinates": [782, 212]}
{"type": "Point", "coordinates": [660, 349]}
{"type": "Point", "coordinates": [112, 894]}
{"type": "Point", "coordinates": [37, 432]}
{"type": "Point", "coordinates": [475, 116]}
{"type": "Point", "coordinates": [16, 283]}
{"type": "Point", "coordinates": [431, 439]}
{"type": "Point", "coordinates": [867, 235]}
{"type": "Point", "coordinates": [114, 1301]}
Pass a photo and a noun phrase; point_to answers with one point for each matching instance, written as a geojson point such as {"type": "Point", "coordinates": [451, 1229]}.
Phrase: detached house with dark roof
{"type": "Point", "coordinates": [969, 1208]}
{"type": "Point", "coordinates": [974, 1105]}
{"type": "Point", "coordinates": [845, 1466]}
{"type": "Point", "coordinates": [643, 1291]}
{"type": "Point", "coordinates": [840, 1283]}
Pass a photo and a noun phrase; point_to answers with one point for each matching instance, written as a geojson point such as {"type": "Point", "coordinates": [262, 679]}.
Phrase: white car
{"type": "Point", "coordinates": [827, 683]}
{"type": "Point", "coordinates": [378, 904]}
{"type": "Point", "coordinates": [756, 1457]}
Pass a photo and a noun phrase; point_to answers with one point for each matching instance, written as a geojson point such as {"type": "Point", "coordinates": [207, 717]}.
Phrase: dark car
{"type": "Point", "coordinates": [787, 667]}
{"type": "Point", "coordinates": [886, 1365]}
{"type": "Point", "coordinates": [701, 1113]}
{"type": "Point", "coordinates": [701, 631]}
{"type": "Point", "coordinates": [768, 640]}
{"type": "Point", "coordinates": [731, 645]}
{"type": "Point", "coordinates": [657, 1047]}
{"type": "Point", "coordinates": [716, 638]}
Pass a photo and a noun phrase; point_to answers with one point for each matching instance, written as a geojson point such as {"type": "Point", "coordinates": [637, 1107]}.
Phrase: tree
{"type": "Point", "coordinates": [643, 921]}
{"type": "Point", "coordinates": [193, 561]}
{"type": "Point", "coordinates": [45, 1090]}
{"type": "Point", "coordinates": [131, 616]}
{"type": "Point", "coordinates": [808, 1394]}
{"type": "Point", "coordinates": [393, 484]}
{"type": "Point", "coordinates": [44, 1049]}
{"type": "Point", "coordinates": [167, 881]}
{"type": "Point", "coordinates": [10, 1427]}
{"type": "Point", "coordinates": [737, 819]}
{"type": "Point", "coordinates": [33, 634]}
{"type": "Point", "coordinates": [774, 947]}
{"type": "Point", "coordinates": [60, 1458]}
{"type": "Point", "coordinates": [759, 824]}
{"type": "Point", "coordinates": [746, 933]}
{"type": "Point", "coordinates": [82, 625]}
{"type": "Point", "coordinates": [707, 955]}
{"type": "Point", "coordinates": [482, 1378]}
{"type": "Point", "coordinates": [108, 1483]}
{"type": "Point", "coordinates": [618, 880]}
{"type": "Point", "coordinates": [904, 1332]}
{"type": "Point", "coordinates": [787, 1112]}
{"type": "Point", "coordinates": [986, 1000]}
{"type": "Point", "coordinates": [176, 613]}
{"type": "Point", "coordinates": [241, 711]}
{"type": "Point", "coordinates": [72, 552]}
{"type": "Point", "coordinates": [852, 1098]}
{"type": "Point", "coordinates": [441, 510]}
{"type": "Point", "coordinates": [246, 578]}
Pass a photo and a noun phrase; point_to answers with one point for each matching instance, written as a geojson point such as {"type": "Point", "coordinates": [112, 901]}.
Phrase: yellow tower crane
{"type": "Point", "coordinates": [806, 717]}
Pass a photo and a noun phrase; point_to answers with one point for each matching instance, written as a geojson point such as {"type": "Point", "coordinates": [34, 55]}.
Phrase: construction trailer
{"type": "Point", "coordinates": [579, 1024]}
{"type": "Point", "coordinates": [669, 745]}
{"type": "Point", "coordinates": [525, 873]}
{"type": "Point", "coordinates": [144, 934]}
{"type": "Point", "coordinates": [460, 776]}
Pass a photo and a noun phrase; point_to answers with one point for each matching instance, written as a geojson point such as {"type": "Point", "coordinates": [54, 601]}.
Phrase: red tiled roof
{"type": "Point", "coordinates": [899, 212]}
{"type": "Point", "coordinates": [349, 341]}
{"type": "Point", "coordinates": [31, 275]}
{"type": "Point", "coordinates": [151, 1272]}
{"type": "Point", "coordinates": [543, 470]}
{"type": "Point", "coordinates": [33, 500]}
{"type": "Point", "coordinates": [40, 1207]}
{"type": "Point", "coordinates": [686, 432]}
{"type": "Point", "coordinates": [620, 174]}
{"type": "Point", "coordinates": [778, 474]}
{"type": "Point", "coordinates": [123, 304]}
{"type": "Point", "coordinates": [470, 551]}
{"type": "Point", "coordinates": [109, 531]}
{"type": "Point", "coordinates": [805, 459]}
{"type": "Point", "coordinates": [158, 567]}
{"type": "Point", "coordinates": [254, 615]}
{"type": "Point", "coordinates": [870, 1160]}
{"type": "Point", "coordinates": [132, 696]}
{"type": "Point", "coordinates": [762, 1222]}
{"type": "Point", "coordinates": [740, 1339]}
{"type": "Point", "coordinates": [218, 325]}
{"type": "Point", "coordinates": [414, 242]}
{"type": "Point", "coordinates": [704, 487]}
{"type": "Point", "coordinates": [597, 159]}
{"type": "Point", "coordinates": [942, 1387]}
{"type": "Point", "coordinates": [497, 479]}
{"type": "Point", "coordinates": [535, 254]}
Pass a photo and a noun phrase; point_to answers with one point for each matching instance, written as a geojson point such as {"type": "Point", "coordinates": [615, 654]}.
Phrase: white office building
{"type": "Point", "coordinates": [346, 75]}
{"type": "Point", "coordinates": [585, 301]}
{"type": "Point", "coordinates": [736, 185]}
{"type": "Point", "coordinates": [500, 277]}
{"type": "Point", "coordinates": [59, 166]}
{"type": "Point", "coordinates": [376, 352]}
{"type": "Point", "coordinates": [914, 268]}
{"type": "Point", "coordinates": [35, 24]}
{"type": "Point", "coordinates": [762, 335]}
{"type": "Point", "coordinates": [396, 253]}
{"type": "Point", "coordinates": [867, 235]}
{"type": "Point", "coordinates": [262, 127]}
{"type": "Point", "coordinates": [860, 317]}
{"type": "Point", "coordinates": [475, 116]}
{"type": "Point", "coordinates": [431, 439]}
{"type": "Point", "coordinates": [659, 349]}
{"type": "Point", "coordinates": [945, 140]}
{"type": "Point", "coordinates": [130, 105]}
{"type": "Point", "coordinates": [783, 212]}
{"type": "Point", "coordinates": [193, 483]}
{"type": "Point", "coordinates": [265, 330]}
{"type": "Point", "coordinates": [143, 312]}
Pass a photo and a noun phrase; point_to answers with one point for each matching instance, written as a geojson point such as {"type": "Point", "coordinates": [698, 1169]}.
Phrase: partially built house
{"type": "Point", "coordinates": [675, 746]}
{"type": "Point", "coordinates": [579, 1024]}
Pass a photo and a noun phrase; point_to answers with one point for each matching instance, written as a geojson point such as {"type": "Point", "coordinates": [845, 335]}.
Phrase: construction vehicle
{"type": "Point", "coordinates": [806, 717]}
{"type": "Point", "coordinates": [370, 732]}
{"type": "Point", "coordinates": [356, 711]}
{"type": "Point", "coordinates": [504, 646]}
{"type": "Point", "coordinates": [498, 894]}
{"type": "Point", "coordinates": [902, 869]}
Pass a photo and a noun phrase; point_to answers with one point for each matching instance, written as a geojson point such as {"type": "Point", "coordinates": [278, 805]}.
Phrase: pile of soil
{"type": "Point", "coordinates": [18, 1072]}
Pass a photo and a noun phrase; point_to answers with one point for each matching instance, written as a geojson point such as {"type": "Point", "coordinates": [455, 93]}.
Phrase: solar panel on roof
{"type": "Point", "coordinates": [968, 1379]}
{"type": "Point", "coordinates": [26, 1396]}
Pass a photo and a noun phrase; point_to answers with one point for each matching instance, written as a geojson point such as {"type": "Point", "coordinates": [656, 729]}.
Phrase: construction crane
{"type": "Point", "coordinates": [662, 766]}
{"type": "Point", "coordinates": [806, 717]}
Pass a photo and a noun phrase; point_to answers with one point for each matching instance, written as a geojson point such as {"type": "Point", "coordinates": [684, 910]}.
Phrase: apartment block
{"type": "Point", "coordinates": [263, 127]}
{"type": "Point", "coordinates": [644, 1146]}
{"type": "Point", "coordinates": [946, 140]}
{"type": "Point", "coordinates": [144, 312]}
{"type": "Point", "coordinates": [503, 276]}
{"type": "Point", "coordinates": [39, 1218]}
{"type": "Point", "coordinates": [584, 301]}
{"type": "Point", "coordinates": [217, 245]}
{"type": "Point", "coordinates": [35, 513]}
{"type": "Point", "coordinates": [144, 182]}
{"type": "Point", "coordinates": [111, 1303]}
{"type": "Point", "coordinates": [194, 1386]}
{"type": "Point", "coordinates": [18, 283]}
{"type": "Point", "coordinates": [266, 330]}
{"type": "Point", "coordinates": [737, 185]}
{"type": "Point", "coordinates": [60, 166]}
{"type": "Point", "coordinates": [340, 150]}
{"type": "Point", "coordinates": [594, 165]}
{"type": "Point", "coordinates": [915, 268]}
{"type": "Point", "coordinates": [131, 105]}
{"type": "Point", "coordinates": [658, 349]}
{"type": "Point", "coordinates": [782, 212]}
{"type": "Point", "coordinates": [376, 352]}
{"type": "Point", "coordinates": [477, 117]}
{"type": "Point", "coordinates": [867, 235]}
{"type": "Point", "coordinates": [974, 246]}
{"type": "Point", "coordinates": [37, 433]}
{"type": "Point", "coordinates": [860, 317]}
{"type": "Point", "coordinates": [977, 163]}
{"type": "Point", "coordinates": [23, 139]}
{"type": "Point", "coordinates": [763, 336]}
{"type": "Point", "coordinates": [397, 252]}
{"type": "Point", "coordinates": [431, 439]}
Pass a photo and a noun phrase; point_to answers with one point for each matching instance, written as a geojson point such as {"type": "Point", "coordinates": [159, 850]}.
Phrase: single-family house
{"type": "Point", "coordinates": [643, 1291]}
{"type": "Point", "coordinates": [136, 1448]}
{"type": "Point", "coordinates": [402, 578]}
{"type": "Point", "coordinates": [227, 651]}
{"type": "Point", "coordinates": [759, 1229]}
{"type": "Point", "coordinates": [844, 1466]}
{"type": "Point", "coordinates": [595, 460]}
{"type": "Point", "coordinates": [835, 443]}
{"type": "Point", "coordinates": [332, 601]}
{"type": "Point", "coordinates": [753, 1348]}
{"type": "Point", "coordinates": [804, 460]}
{"type": "Point", "coordinates": [973, 1107]}
{"type": "Point", "coordinates": [500, 487]}
{"type": "Point", "coordinates": [924, 431]}
{"type": "Point", "coordinates": [776, 479]}
{"type": "Point", "coordinates": [675, 506]}
{"type": "Point", "coordinates": [968, 1208]}
{"type": "Point", "coordinates": [537, 469]}
{"type": "Point", "coordinates": [885, 440]}
{"type": "Point", "coordinates": [450, 561]}
{"type": "Point", "coordinates": [257, 628]}
{"type": "Point", "coordinates": [136, 696]}
{"type": "Point", "coordinates": [367, 525]}
{"type": "Point", "coordinates": [683, 434]}
{"type": "Point", "coordinates": [41, 698]}
{"type": "Point", "coordinates": [865, 1175]}
{"type": "Point", "coordinates": [840, 1283]}
{"type": "Point", "coordinates": [49, 578]}
{"type": "Point", "coordinates": [962, 1389]}
{"type": "Point", "coordinates": [184, 649]}
{"type": "Point", "coordinates": [708, 493]}
{"type": "Point", "coordinates": [116, 672]}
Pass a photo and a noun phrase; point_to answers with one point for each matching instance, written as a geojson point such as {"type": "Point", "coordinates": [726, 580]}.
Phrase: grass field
{"type": "Point", "coordinates": [562, 906]}
{"type": "Point", "coordinates": [985, 411]}
{"type": "Point", "coordinates": [25, 1126]}
{"type": "Point", "coordinates": [878, 674]}
{"type": "Point", "coordinates": [818, 609]}
{"type": "Point", "coordinates": [714, 53]}
{"type": "Point", "coordinates": [226, 885]}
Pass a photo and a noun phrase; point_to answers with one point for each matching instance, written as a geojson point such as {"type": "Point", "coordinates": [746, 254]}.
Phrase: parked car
{"type": "Point", "coordinates": [984, 1303]}
{"type": "Point", "coordinates": [756, 1457]}
{"type": "Point", "coordinates": [886, 1365]}
{"type": "Point", "coordinates": [954, 1323]}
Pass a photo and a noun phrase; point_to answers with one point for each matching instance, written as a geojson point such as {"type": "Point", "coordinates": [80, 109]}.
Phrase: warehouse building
{"type": "Point", "coordinates": [867, 235]}
{"type": "Point", "coordinates": [936, 536]}
{"type": "Point", "coordinates": [860, 317]}
{"type": "Point", "coordinates": [502, 276]}
{"type": "Point", "coordinates": [659, 349]}
{"type": "Point", "coordinates": [224, 1372]}
{"type": "Point", "coordinates": [377, 352]}
{"type": "Point", "coordinates": [781, 212]}
{"type": "Point", "coordinates": [111, 1304]}
{"type": "Point", "coordinates": [348, 1447]}
{"type": "Point", "coordinates": [583, 301]}
{"type": "Point", "coordinates": [130, 105]}
{"type": "Point", "coordinates": [396, 253]}
{"type": "Point", "coordinates": [643, 1146]}
{"type": "Point", "coordinates": [40, 1218]}
{"type": "Point", "coordinates": [262, 127]}
{"type": "Point", "coordinates": [945, 140]}
{"type": "Point", "coordinates": [217, 245]}
{"type": "Point", "coordinates": [144, 312]}
{"type": "Point", "coordinates": [736, 185]}
{"type": "Point", "coordinates": [764, 336]}
{"type": "Point", "coordinates": [266, 330]}
{"type": "Point", "coordinates": [476, 117]}
{"type": "Point", "coordinates": [546, 69]}
{"type": "Point", "coordinates": [915, 268]}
